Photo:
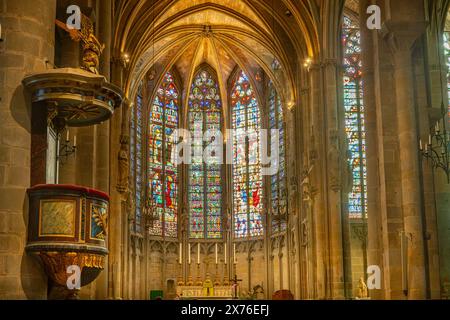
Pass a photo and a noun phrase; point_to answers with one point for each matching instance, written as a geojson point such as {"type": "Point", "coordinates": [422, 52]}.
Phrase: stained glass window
{"type": "Point", "coordinates": [278, 197]}
{"type": "Point", "coordinates": [205, 186]}
{"type": "Point", "coordinates": [447, 62]}
{"type": "Point", "coordinates": [247, 176]}
{"type": "Point", "coordinates": [162, 172]}
{"type": "Point", "coordinates": [354, 116]}
{"type": "Point", "coordinates": [136, 157]}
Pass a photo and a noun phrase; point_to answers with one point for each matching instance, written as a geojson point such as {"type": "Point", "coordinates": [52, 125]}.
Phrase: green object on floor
{"type": "Point", "coordinates": [156, 295]}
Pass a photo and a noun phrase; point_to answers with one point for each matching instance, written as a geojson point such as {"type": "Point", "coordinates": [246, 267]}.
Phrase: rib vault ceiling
{"type": "Point", "coordinates": [225, 34]}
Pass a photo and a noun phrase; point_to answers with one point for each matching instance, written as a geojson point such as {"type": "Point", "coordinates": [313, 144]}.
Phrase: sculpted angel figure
{"type": "Point", "coordinates": [92, 48]}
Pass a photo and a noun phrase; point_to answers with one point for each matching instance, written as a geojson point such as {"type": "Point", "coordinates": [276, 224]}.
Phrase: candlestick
{"type": "Point", "coordinates": [217, 260]}
{"type": "Point", "coordinates": [198, 253]}
{"type": "Point", "coordinates": [189, 253]}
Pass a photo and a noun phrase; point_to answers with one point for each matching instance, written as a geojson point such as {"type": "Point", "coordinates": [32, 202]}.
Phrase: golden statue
{"type": "Point", "coordinates": [92, 49]}
{"type": "Point", "coordinates": [208, 287]}
{"type": "Point", "coordinates": [362, 289]}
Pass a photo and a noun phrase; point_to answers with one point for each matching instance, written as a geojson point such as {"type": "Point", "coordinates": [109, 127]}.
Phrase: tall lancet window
{"type": "Point", "coordinates": [205, 177]}
{"type": "Point", "coordinates": [247, 175]}
{"type": "Point", "coordinates": [136, 130]}
{"type": "Point", "coordinates": [447, 60]}
{"type": "Point", "coordinates": [354, 116]}
{"type": "Point", "coordinates": [162, 172]}
{"type": "Point", "coordinates": [278, 202]}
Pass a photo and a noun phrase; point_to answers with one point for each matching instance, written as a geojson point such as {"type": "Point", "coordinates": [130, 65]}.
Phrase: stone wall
{"type": "Point", "coordinates": [28, 33]}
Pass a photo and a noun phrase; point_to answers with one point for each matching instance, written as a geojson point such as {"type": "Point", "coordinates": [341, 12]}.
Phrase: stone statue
{"type": "Point", "coordinates": [122, 184]}
{"type": "Point", "coordinates": [363, 292]}
{"type": "Point", "coordinates": [306, 186]}
{"type": "Point", "coordinates": [92, 49]}
{"type": "Point", "coordinates": [304, 233]}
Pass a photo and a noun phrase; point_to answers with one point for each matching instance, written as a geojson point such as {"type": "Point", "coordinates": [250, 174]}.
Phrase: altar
{"type": "Point", "coordinates": [207, 289]}
{"type": "Point", "coordinates": [202, 293]}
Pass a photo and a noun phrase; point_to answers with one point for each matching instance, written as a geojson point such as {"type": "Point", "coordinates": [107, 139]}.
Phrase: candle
{"type": "Point", "coordinates": [421, 146]}
{"type": "Point", "coordinates": [217, 260]}
{"type": "Point", "coordinates": [429, 139]}
{"type": "Point", "coordinates": [225, 252]}
{"type": "Point", "coordinates": [189, 253]}
{"type": "Point", "coordinates": [75, 140]}
{"type": "Point", "coordinates": [437, 127]}
{"type": "Point", "coordinates": [198, 254]}
{"type": "Point", "coordinates": [68, 136]}
{"type": "Point", "coordinates": [181, 254]}
{"type": "Point", "coordinates": [234, 253]}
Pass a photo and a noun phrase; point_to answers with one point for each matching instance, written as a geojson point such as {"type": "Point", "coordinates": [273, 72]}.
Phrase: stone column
{"type": "Point", "coordinates": [86, 157]}
{"type": "Point", "coordinates": [401, 37]}
{"type": "Point", "coordinates": [28, 34]}
{"type": "Point", "coordinates": [430, 222]}
{"type": "Point", "coordinates": [102, 130]}
{"type": "Point", "coordinates": [319, 243]}
{"type": "Point", "coordinates": [374, 250]}
{"type": "Point", "coordinates": [333, 180]}
{"type": "Point", "coordinates": [116, 218]}
{"type": "Point", "coordinates": [68, 56]}
{"type": "Point", "coordinates": [304, 224]}
{"type": "Point", "coordinates": [102, 137]}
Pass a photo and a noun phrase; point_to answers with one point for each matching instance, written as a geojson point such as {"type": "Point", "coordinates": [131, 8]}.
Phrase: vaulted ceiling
{"type": "Point", "coordinates": [248, 34]}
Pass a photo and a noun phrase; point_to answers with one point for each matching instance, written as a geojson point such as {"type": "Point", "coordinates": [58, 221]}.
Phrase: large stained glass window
{"type": "Point", "coordinates": [354, 116]}
{"type": "Point", "coordinates": [247, 176]}
{"type": "Point", "coordinates": [136, 130]}
{"type": "Point", "coordinates": [205, 178]}
{"type": "Point", "coordinates": [162, 172]}
{"type": "Point", "coordinates": [278, 203]}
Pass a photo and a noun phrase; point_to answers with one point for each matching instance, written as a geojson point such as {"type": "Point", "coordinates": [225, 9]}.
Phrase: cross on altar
{"type": "Point", "coordinates": [235, 281]}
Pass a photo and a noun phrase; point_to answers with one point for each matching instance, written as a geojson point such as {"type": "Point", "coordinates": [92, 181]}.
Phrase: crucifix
{"type": "Point", "coordinates": [235, 281]}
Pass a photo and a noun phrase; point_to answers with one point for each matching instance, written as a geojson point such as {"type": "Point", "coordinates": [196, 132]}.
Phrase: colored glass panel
{"type": "Point", "coordinates": [163, 183]}
{"type": "Point", "coordinates": [278, 201]}
{"type": "Point", "coordinates": [354, 117]}
{"type": "Point", "coordinates": [205, 186]}
{"type": "Point", "coordinates": [247, 176]}
{"type": "Point", "coordinates": [138, 159]}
